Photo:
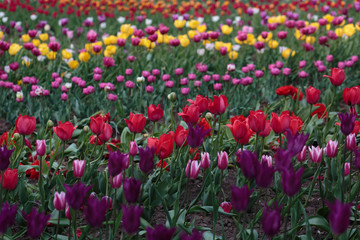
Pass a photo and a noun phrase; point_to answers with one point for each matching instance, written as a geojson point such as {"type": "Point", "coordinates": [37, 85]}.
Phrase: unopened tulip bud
{"type": "Point", "coordinates": [50, 123]}
{"type": "Point", "coordinates": [16, 136]}
{"type": "Point", "coordinates": [133, 148]}
{"type": "Point", "coordinates": [40, 147]}
{"type": "Point", "coordinates": [172, 96]}
{"type": "Point", "coordinates": [116, 181]}
{"type": "Point", "coordinates": [78, 168]}
{"type": "Point", "coordinates": [209, 116]}
{"type": "Point", "coordinates": [86, 128]}
{"type": "Point", "coordinates": [59, 201]}
{"type": "Point", "coordinates": [205, 160]}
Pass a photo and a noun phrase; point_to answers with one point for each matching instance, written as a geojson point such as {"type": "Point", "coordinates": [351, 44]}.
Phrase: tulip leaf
{"type": "Point", "coordinates": [71, 149]}
{"type": "Point", "coordinates": [63, 221]}
{"type": "Point", "coordinates": [24, 168]}
{"type": "Point", "coordinates": [320, 222]}
{"type": "Point", "coordinates": [126, 136]}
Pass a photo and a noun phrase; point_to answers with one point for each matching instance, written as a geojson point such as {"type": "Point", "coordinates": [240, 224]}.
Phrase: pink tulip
{"type": "Point", "coordinates": [223, 160]}
{"type": "Point", "coordinates": [315, 154]}
{"type": "Point", "coordinates": [116, 181]}
{"type": "Point", "coordinates": [59, 201]}
{"type": "Point", "coordinates": [192, 169]}
{"type": "Point", "coordinates": [40, 147]}
{"type": "Point", "coordinates": [205, 160]}
{"type": "Point", "coordinates": [78, 168]}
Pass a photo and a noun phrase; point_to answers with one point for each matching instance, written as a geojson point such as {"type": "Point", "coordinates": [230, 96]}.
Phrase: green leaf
{"type": "Point", "coordinates": [71, 149]}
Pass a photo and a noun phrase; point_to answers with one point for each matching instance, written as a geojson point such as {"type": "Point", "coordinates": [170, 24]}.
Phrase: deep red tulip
{"type": "Point", "coordinates": [266, 131]}
{"type": "Point", "coordinates": [257, 121]}
{"type": "Point", "coordinates": [65, 130]}
{"type": "Point", "coordinates": [201, 102]}
{"type": "Point", "coordinates": [155, 113]}
{"type": "Point", "coordinates": [136, 123]}
{"type": "Point", "coordinates": [97, 124]}
{"type": "Point", "coordinates": [312, 95]}
{"type": "Point", "coordinates": [280, 124]}
{"type": "Point", "coordinates": [106, 134]}
{"type": "Point", "coordinates": [25, 125]}
{"type": "Point", "coordinates": [218, 105]}
{"type": "Point", "coordinates": [239, 129]}
{"type": "Point", "coordinates": [351, 96]}
{"type": "Point", "coordinates": [180, 136]}
{"type": "Point", "coordinates": [337, 76]}
{"type": "Point", "coordinates": [10, 179]}
{"type": "Point", "coordinates": [190, 114]}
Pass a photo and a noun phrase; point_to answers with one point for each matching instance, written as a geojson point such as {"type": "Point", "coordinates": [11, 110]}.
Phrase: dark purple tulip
{"type": "Point", "coordinates": [265, 174]}
{"type": "Point", "coordinates": [295, 143]}
{"type": "Point", "coordinates": [131, 218]}
{"type": "Point", "coordinates": [76, 195]}
{"type": "Point", "coordinates": [347, 122]}
{"type": "Point", "coordinates": [131, 189]}
{"type": "Point", "coordinates": [36, 222]}
{"type": "Point", "coordinates": [249, 163]}
{"type": "Point", "coordinates": [283, 159]}
{"type": "Point", "coordinates": [196, 235]}
{"type": "Point", "coordinates": [271, 220]}
{"type": "Point", "coordinates": [160, 232]}
{"type": "Point", "coordinates": [146, 155]}
{"type": "Point", "coordinates": [196, 135]}
{"type": "Point", "coordinates": [357, 158]}
{"type": "Point", "coordinates": [5, 155]}
{"type": "Point", "coordinates": [117, 162]}
{"type": "Point", "coordinates": [95, 211]}
{"type": "Point", "coordinates": [7, 216]}
{"type": "Point", "coordinates": [339, 216]}
{"type": "Point", "coordinates": [240, 198]}
{"type": "Point", "coordinates": [291, 181]}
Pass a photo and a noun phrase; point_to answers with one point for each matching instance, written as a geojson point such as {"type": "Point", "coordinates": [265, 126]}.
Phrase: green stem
{"type": "Point", "coordinates": [41, 187]}
{"type": "Point", "coordinates": [57, 226]}
{"type": "Point", "coordinates": [62, 159]}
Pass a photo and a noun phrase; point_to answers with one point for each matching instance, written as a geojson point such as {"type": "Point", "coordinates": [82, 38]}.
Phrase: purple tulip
{"type": "Point", "coordinates": [36, 222]}
{"type": "Point", "coordinates": [131, 189]}
{"type": "Point", "coordinates": [240, 198]}
{"type": "Point", "coordinates": [160, 232]}
{"type": "Point", "coordinates": [195, 235]}
{"type": "Point", "coordinates": [339, 216]}
{"type": "Point", "coordinates": [283, 159]}
{"type": "Point", "coordinates": [76, 195]}
{"type": "Point", "coordinates": [271, 220]}
{"type": "Point", "coordinates": [7, 216]}
{"type": "Point", "coordinates": [131, 218]}
{"type": "Point", "coordinates": [196, 135]}
{"type": "Point", "coordinates": [117, 162]}
{"type": "Point", "coordinates": [5, 155]}
{"type": "Point", "coordinates": [146, 162]}
{"type": "Point", "coordinates": [291, 181]}
{"type": "Point", "coordinates": [265, 174]}
{"type": "Point", "coordinates": [295, 143]}
{"type": "Point", "coordinates": [347, 122]}
{"type": "Point", "coordinates": [249, 164]}
{"type": "Point", "coordinates": [95, 211]}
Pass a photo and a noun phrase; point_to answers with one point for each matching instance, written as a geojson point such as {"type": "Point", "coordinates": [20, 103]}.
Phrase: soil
{"type": "Point", "coordinates": [4, 126]}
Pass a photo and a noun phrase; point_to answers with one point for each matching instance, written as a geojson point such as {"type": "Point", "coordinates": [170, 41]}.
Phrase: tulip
{"type": "Point", "coordinates": [280, 123]}
{"type": "Point", "coordinates": [226, 206]}
{"type": "Point", "coordinates": [131, 189]}
{"type": "Point", "coordinates": [192, 169]}
{"type": "Point", "coordinates": [25, 125]}
{"type": "Point", "coordinates": [146, 162]}
{"type": "Point", "coordinates": [347, 122]}
{"type": "Point", "coordinates": [347, 169]}
{"type": "Point", "coordinates": [218, 105]}
{"type": "Point", "coordinates": [10, 179]}
{"type": "Point", "coordinates": [117, 162]}
{"type": "Point", "coordinates": [40, 147]}
{"type": "Point", "coordinates": [240, 198]}
{"type": "Point", "coordinates": [180, 136]}
{"type": "Point", "coordinates": [265, 174]}
{"type": "Point", "coordinates": [65, 130]}
{"type": "Point", "coordinates": [133, 148]}
{"type": "Point", "coordinates": [95, 211]}
{"type": "Point", "coordinates": [296, 143]}
{"type": "Point", "coordinates": [5, 155]}
{"type": "Point", "coordinates": [106, 133]}
{"type": "Point", "coordinates": [36, 222]}
{"type": "Point", "coordinates": [302, 155]}
{"type": "Point", "coordinates": [315, 154]}
{"type": "Point", "coordinates": [283, 159]}
{"type": "Point", "coordinates": [160, 232]}
{"type": "Point", "coordinates": [223, 160]}
{"type": "Point", "coordinates": [351, 96]}
{"type": "Point", "coordinates": [336, 77]}
{"type": "Point", "coordinates": [7, 216]}
{"type": "Point", "coordinates": [271, 220]}
{"type": "Point", "coordinates": [312, 95]}
{"type": "Point", "coordinates": [76, 195]}
{"type": "Point", "coordinates": [196, 135]}
{"type": "Point", "coordinates": [78, 168]}
{"type": "Point", "coordinates": [291, 181]}
{"type": "Point", "coordinates": [249, 163]}
{"type": "Point", "coordinates": [205, 160]}
{"type": "Point", "coordinates": [332, 148]}
{"type": "Point", "coordinates": [195, 235]}
{"type": "Point", "coordinates": [136, 123]}
{"type": "Point", "coordinates": [131, 218]}
{"type": "Point", "coordinates": [351, 142]}
{"type": "Point", "coordinates": [155, 113]}
{"type": "Point", "coordinates": [339, 216]}
{"type": "Point", "coordinates": [59, 201]}
{"type": "Point", "coordinates": [257, 121]}
{"type": "Point", "coordinates": [266, 131]}
{"type": "Point", "coordinates": [190, 114]}
{"type": "Point", "coordinates": [116, 181]}
{"type": "Point", "coordinates": [97, 124]}
{"type": "Point", "coordinates": [239, 129]}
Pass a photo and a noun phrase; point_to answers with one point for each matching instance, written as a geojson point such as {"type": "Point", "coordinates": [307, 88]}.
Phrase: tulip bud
{"type": "Point", "coordinates": [351, 142]}
{"type": "Point", "coordinates": [347, 169]}
{"type": "Point", "coordinates": [78, 168]}
{"type": "Point", "coordinates": [50, 124]}
{"type": "Point", "coordinates": [302, 155]}
{"type": "Point", "coordinates": [205, 160]}
{"type": "Point", "coordinates": [192, 169]}
{"type": "Point", "coordinates": [59, 201]}
{"type": "Point", "coordinates": [172, 96]}
{"type": "Point", "coordinates": [223, 160]}
{"type": "Point", "coordinates": [40, 147]}
{"type": "Point", "coordinates": [331, 148]}
{"type": "Point", "coordinates": [116, 181]}
{"type": "Point", "coordinates": [133, 148]}
{"type": "Point", "coordinates": [209, 116]}
{"type": "Point", "coordinates": [16, 136]}
{"type": "Point", "coordinates": [86, 128]}
{"type": "Point", "coordinates": [67, 212]}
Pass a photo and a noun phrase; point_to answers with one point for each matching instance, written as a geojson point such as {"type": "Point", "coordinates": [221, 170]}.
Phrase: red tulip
{"type": "Point", "coordinates": [337, 76]}
{"type": "Point", "coordinates": [218, 105]}
{"type": "Point", "coordinates": [25, 125]}
{"type": "Point", "coordinates": [97, 124]}
{"type": "Point", "coordinates": [351, 96]}
{"type": "Point", "coordinates": [9, 179]}
{"type": "Point", "coordinates": [201, 102]}
{"type": "Point", "coordinates": [266, 131]}
{"type": "Point", "coordinates": [190, 114]}
{"type": "Point", "coordinates": [257, 121]}
{"type": "Point", "coordinates": [180, 136]}
{"type": "Point", "coordinates": [65, 130]}
{"type": "Point", "coordinates": [312, 95]}
{"type": "Point", "coordinates": [136, 123]}
{"type": "Point", "coordinates": [155, 113]}
{"type": "Point", "coordinates": [280, 124]}
{"type": "Point", "coordinates": [319, 111]}
{"type": "Point", "coordinates": [239, 129]}
{"type": "Point", "coordinates": [106, 133]}
{"type": "Point", "coordinates": [165, 146]}
{"type": "Point", "coordinates": [295, 124]}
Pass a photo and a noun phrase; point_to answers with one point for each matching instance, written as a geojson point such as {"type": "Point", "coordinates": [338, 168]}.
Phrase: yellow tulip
{"type": "Point", "coordinates": [286, 53]}
{"type": "Point", "coordinates": [310, 39]}
{"type": "Point", "coordinates": [339, 32]}
{"type": "Point", "coordinates": [192, 33]}
{"type": "Point", "coordinates": [65, 54]}
{"type": "Point", "coordinates": [201, 28]}
{"type": "Point", "coordinates": [218, 45]}
{"type": "Point", "coordinates": [225, 29]}
{"type": "Point", "coordinates": [184, 42]}
{"type": "Point", "coordinates": [111, 49]}
{"type": "Point", "coordinates": [51, 55]}
{"type": "Point", "coordinates": [1, 34]}
{"type": "Point", "coordinates": [73, 64]}
{"type": "Point", "coordinates": [36, 42]}
{"type": "Point", "coordinates": [357, 27]}
{"type": "Point", "coordinates": [25, 63]}
{"type": "Point", "coordinates": [14, 49]}
{"type": "Point", "coordinates": [281, 19]}
{"type": "Point", "coordinates": [233, 55]}
{"type": "Point", "coordinates": [44, 37]}
{"type": "Point", "coordinates": [179, 23]}
{"type": "Point", "coordinates": [272, 20]}
{"type": "Point", "coordinates": [25, 38]}
{"type": "Point", "coordinates": [43, 48]}
{"type": "Point", "coordinates": [84, 56]}
{"type": "Point", "coordinates": [349, 30]}
{"type": "Point", "coordinates": [273, 44]}
{"type": "Point", "coordinates": [126, 29]}
{"type": "Point", "coordinates": [193, 24]}
{"type": "Point", "coordinates": [329, 18]}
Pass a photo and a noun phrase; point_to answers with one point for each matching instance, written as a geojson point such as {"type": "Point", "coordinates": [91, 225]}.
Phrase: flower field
{"type": "Point", "coordinates": [182, 120]}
